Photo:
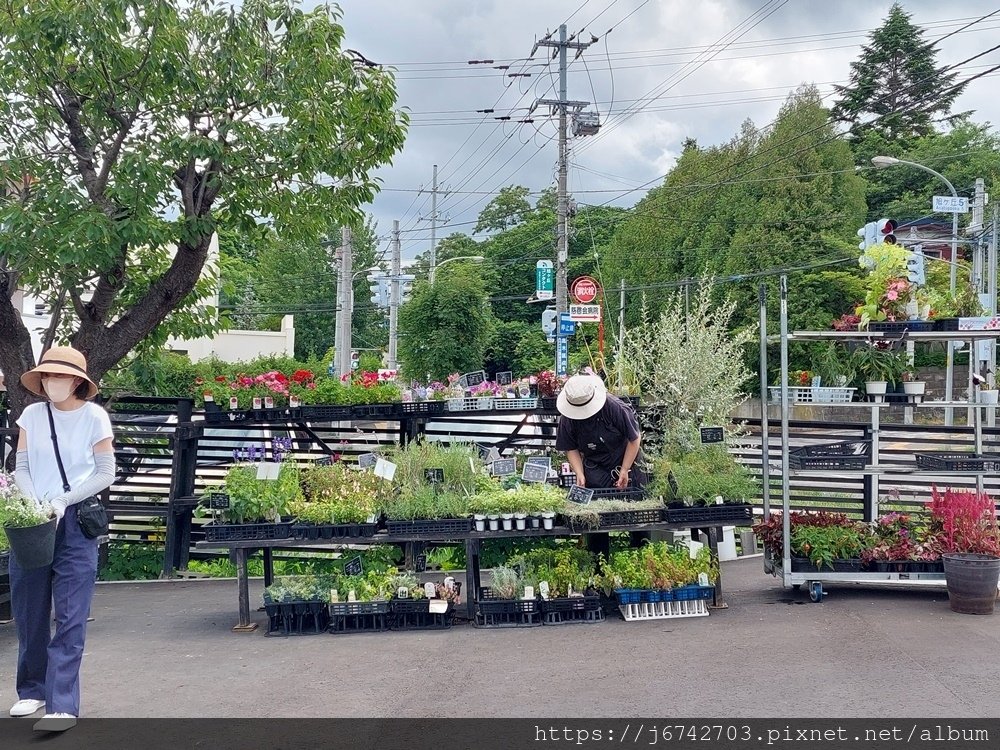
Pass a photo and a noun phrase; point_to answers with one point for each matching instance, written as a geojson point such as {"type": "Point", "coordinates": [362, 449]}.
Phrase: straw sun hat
{"type": "Point", "coordinates": [59, 360]}
{"type": "Point", "coordinates": [582, 397]}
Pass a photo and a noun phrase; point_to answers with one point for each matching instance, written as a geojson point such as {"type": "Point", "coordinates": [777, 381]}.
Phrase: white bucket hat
{"type": "Point", "coordinates": [582, 397]}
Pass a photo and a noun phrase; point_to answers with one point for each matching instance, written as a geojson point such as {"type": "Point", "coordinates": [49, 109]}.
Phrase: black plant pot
{"type": "Point", "coordinates": [33, 546]}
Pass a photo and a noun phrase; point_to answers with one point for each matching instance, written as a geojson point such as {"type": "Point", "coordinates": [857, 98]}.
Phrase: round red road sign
{"type": "Point", "coordinates": [584, 289]}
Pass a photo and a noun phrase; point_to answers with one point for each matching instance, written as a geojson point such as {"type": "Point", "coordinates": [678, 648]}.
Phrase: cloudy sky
{"type": "Point", "coordinates": [660, 71]}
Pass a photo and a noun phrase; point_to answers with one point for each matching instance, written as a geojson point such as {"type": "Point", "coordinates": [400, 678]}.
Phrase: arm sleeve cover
{"type": "Point", "coordinates": [22, 475]}
{"type": "Point", "coordinates": [102, 478]}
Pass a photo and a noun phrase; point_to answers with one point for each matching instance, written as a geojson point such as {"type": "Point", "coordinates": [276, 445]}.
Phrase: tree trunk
{"type": "Point", "coordinates": [15, 360]}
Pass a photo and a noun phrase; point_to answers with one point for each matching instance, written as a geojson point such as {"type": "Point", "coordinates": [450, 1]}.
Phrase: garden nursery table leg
{"type": "Point", "coordinates": [471, 576]}
{"type": "Point", "coordinates": [243, 583]}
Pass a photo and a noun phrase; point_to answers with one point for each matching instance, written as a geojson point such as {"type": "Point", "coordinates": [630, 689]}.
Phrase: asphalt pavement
{"type": "Point", "coordinates": [166, 649]}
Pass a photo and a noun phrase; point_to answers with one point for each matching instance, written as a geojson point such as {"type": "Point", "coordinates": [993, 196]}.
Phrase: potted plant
{"type": "Point", "coordinates": [964, 529]}
{"type": "Point", "coordinates": [30, 528]}
{"type": "Point", "coordinates": [913, 387]}
{"type": "Point", "coordinates": [520, 521]}
{"type": "Point", "coordinates": [508, 521]}
{"type": "Point", "coordinates": [880, 366]}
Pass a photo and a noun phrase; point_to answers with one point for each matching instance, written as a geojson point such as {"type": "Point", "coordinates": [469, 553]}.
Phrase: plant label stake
{"type": "Point", "coordinates": [471, 379]}
{"type": "Point", "coordinates": [581, 495]}
{"type": "Point", "coordinates": [218, 501]}
{"type": "Point", "coordinates": [505, 378]}
{"type": "Point", "coordinates": [503, 467]}
{"type": "Point", "coordinates": [711, 435]}
{"type": "Point", "coordinates": [385, 469]}
{"type": "Point", "coordinates": [545, 461]}
{"type": "Point", "coordinates": [365, 460]}
{"type": "Point", "coordinates": [420, 564]}
{"type": "Point", "coordinates": [353, 567]}
{"type": "Point", "coordinates": [324, 461]}
{"type": "Point", "coordinates": [268, 471]}
{"type": "Point", "coordinates": [534, 473]}
{"type": "Point", "coordinates": [434, 476]}
{"type": "Point", "coordinates": [429, 590]}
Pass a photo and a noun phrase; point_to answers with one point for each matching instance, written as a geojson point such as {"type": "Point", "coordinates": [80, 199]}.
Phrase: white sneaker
{"type": "Point", "coordinates": [26, 707]}
{"type": "Point", "coordinates": [55, 723]}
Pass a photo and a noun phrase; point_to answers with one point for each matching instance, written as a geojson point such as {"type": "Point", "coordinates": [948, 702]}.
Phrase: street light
{"type": "Point", "coordinates": [881, 162]}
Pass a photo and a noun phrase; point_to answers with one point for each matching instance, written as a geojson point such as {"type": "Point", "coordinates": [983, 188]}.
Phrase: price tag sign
{"type": "Point", "coordinates": [437, 606]}
{"type": "Point", "coordinates": [420, 564]}
{"type": "Point", "coordinates": [505, 378]}
{"type": "Point", "coordinates": [504, 467]}
{"type": "Point", "coordinates": [268, 471]}
{"type": "Point", "coordinates": [218, 501]}
{"type": "Point", "coordinates": [712, 435]}
{"type": "Point", "coordinates": [534, 473]}
{"type": "Point", "coordinates": [366, 460]}
{"type": "Point", "coordinates": [385, 469]}
{"type": "Point", "coordinates": [434, 476]}
{"type": "Point", "coordinates": [580, 495]}
{"type": "Point", "coordinates": [545, 461]}
{"type": "Point", "coordinates": [353, 567]}
{"type": "Point", "coordinates": [470, 379]}
{"type": "Point", "coordinates": [324, 461]}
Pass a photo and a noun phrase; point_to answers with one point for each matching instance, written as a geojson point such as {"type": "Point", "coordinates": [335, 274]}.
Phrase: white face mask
{"type": "Point", "coordinates": [58, 389]}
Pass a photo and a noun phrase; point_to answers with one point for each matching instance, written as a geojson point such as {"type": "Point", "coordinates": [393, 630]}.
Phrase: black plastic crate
{"type": "Point", "coordinates": [898, 326]}
{"type": "Point", "coordinates": [907, 566]}
{"type": "Point", "coordinates": [246, 532]}
{"type": "Point", "coordinates": [710, 514]}
{"type": "Point", "coordinates": [506, 613]}
{"type": "Point", "coordinates": [415, 614]}
{"type": "Point", "coordinates": [421, 408]}
{"type": "Point", "coordinates": [547, 403]}
{"type": "Point", "coordinates": [852, 454]}
{"type": "Point", "coordinates": [432, 526]}
{"type": "Point", "coordinates": [958, 461]}
{"type": "Point", "coordinates": [946, 324]}
{"type": "Point", "coordinates": [360, 617]}
{"type": "Point", "coordinates": [297, 618]}
{"type": "Point", "coordinates": [618, 519]}
{"type": "Point", "coordinates": [333, 531]}
{"type": "Point", "coordinates": [366, 411]}
{"type": "Point", "coordinates": [570, 609]}
{"type": "Point", "coordinates": [627, 494]}
{"type": "Point", "coordinates": [326, 412]}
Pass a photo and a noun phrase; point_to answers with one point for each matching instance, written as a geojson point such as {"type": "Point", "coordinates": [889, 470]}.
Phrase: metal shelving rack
{"type": "Point", "coordinates": [814, 579]}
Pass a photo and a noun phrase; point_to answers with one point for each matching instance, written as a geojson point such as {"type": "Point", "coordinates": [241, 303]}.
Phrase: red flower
{"type": "Point", "coordinates": [199, 381]}
{"type": "Point", "coordinates": [221, 379]}
{"type": "Point", "coordinates": [303, 376]}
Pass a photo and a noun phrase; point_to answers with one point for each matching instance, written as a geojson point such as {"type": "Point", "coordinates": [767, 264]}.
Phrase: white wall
{"type": "Point", "coordinates": [234, 346]}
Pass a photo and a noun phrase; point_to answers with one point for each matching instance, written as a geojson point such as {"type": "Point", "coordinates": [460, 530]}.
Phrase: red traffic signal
{"type": "Point", "coordinates": [885, 230]}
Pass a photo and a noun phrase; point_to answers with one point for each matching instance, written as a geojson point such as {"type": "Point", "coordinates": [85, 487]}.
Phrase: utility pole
{"type": "Point", "coordinates": [621, 327]}
{"type": "Point", "coordinates": [345, 306]}
{"type": "Point", "coordinates": [562, 106]}
{"type": "Point", "coordinates": [434, 220]}
{"type": "Point", "coordinates": [394, 293]}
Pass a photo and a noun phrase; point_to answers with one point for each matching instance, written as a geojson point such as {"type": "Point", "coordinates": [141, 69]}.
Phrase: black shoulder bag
{"type": "Point", "coordinates": [90, 513]}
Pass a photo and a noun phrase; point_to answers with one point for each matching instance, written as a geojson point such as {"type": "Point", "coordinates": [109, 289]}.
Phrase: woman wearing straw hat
{"type": "Point", "coordinates": [48, 664]}
{"type": "Point", "coordinates": [601, 438]}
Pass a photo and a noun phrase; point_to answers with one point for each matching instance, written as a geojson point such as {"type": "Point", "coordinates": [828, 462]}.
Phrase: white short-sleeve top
{"type": "Point", "coordinates": [78, 431]}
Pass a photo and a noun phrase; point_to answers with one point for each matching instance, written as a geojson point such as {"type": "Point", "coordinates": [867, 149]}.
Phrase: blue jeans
{"type": "Point", "coordinates": [48, 664]}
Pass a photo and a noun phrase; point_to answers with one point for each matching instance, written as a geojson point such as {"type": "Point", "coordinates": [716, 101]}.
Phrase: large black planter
{"type": "Point", "coordinates": [972, 582]}
{"type": "Point", "coordinates": [33, 546]}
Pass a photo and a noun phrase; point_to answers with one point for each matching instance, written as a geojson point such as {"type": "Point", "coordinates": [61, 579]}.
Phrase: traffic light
{"type": "Point", "coordinates": [405, 286]}
{"type": "Point", "coordinates": [915, 266]}
{"type": "Point", "coordinates": [869, 235]}
{"type": "Point", "coordinates": [355, 359]}
{"type": "Point", "coordinates": [379, 289]}
{"type": "Point", "coordinates": [885, 230]}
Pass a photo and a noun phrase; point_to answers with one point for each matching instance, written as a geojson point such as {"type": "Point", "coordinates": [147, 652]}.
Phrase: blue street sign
{"type": "Point", "coordinates": [562, 356]}
{"type": "Point", "coordinates": [567, 327]}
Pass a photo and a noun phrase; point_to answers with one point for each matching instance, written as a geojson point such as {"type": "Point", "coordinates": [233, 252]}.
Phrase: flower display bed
{"type": "Point", "coordinates": [333, 531]}
{"type": "Point", "coordinates": [571, 609]}
{"type": "Point", "coordinates": [956, 461]}
{"type": "Point", "coordinates": [415, 614]}
{"type": "Point", "coordinates": [506, 613]}
{"type": "Point", "coordinates": [733, 513]}
{"type": "Point", "coordinates": [245, 532]}
{"type": "Point", "coordinates": [436, 526]}
{"type": "Point", "coordinates": [846, 455]}
{"type": "Point", "coordinates": [297, 618]}
{"type": "Point", "coordinates": [360, 617]}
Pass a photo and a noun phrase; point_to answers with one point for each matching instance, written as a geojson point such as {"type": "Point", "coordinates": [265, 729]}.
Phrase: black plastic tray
{"type": "Point", "coordinates": [297, 618]}
{"type": "Point", "coordinates": [853, 454]}
{"type": "Point", "coordinates": [957, 461]}
{"type": "Point", "coordinates": [326, 412]}
{"type": "Point", "coordinates": [414, 614]}
{"type": "Point", "coordinates": [898, 326]}
{"type": "Point", "coordinates": [433, 526]}
{"type": "Point", "coordinates": [709, 514]}
{"type": "Point", "coordinates": [245, 532]}
{"type": "Point", "coordinates": [506, 613]}
{"type": "Point", "coordinates": [333, 531]}
{"type": "Point", "coordinates": [421, 408]}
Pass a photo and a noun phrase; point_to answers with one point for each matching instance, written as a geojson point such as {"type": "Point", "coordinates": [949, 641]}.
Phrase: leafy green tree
{"type": "Point", "coordinates": [455, 245]}
{"type": "Point", "coordinates": [447, 326]}
{"type": "Point", "coordinates": [507, 210]}
{"type": "Point", "coordinates": [896, 87]}
{"type": "Point", "coordinates": [131, 128]}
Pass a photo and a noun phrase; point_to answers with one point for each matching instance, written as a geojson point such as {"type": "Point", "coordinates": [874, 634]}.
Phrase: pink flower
{"type": "Point", "coordinates": [311, 386]}
{"type": "Point", "coordinates": [892, 294]}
